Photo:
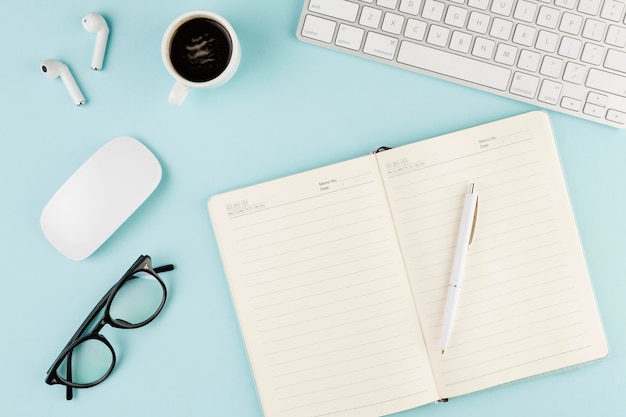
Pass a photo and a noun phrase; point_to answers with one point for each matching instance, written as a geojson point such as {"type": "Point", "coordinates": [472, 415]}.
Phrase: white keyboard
{"type": "Point", "coordinates": [564, 55]}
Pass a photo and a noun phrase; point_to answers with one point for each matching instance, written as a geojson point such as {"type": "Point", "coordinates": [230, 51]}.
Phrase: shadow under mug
{"type": "Point", "coordinates": [200, 49]}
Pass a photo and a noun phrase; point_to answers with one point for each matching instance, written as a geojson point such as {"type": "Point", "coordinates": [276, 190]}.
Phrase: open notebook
{"type": "Point", "coordinates": [339, 275]}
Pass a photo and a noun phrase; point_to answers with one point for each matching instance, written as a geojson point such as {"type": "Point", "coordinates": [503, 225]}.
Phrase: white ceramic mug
{"type": "Point", "coordinates": [200, 49]}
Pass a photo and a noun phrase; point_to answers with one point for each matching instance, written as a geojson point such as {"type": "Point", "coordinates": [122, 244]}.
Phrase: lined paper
{"type": "Point", "coordinates": [322, 296]}
{"type": "Point", "coordinates": [526, 303]}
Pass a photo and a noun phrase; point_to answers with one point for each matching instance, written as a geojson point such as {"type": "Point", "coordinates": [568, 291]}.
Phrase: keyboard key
{"type": "Point", "coordinates": [433, 10]}
{"type": "Point", "coordinates": [528, 60]}
{"type": "Point", "coordinates": [460, 42]}
{"type": "Point", "coordinates": [506, 54]}
{"type": "Point", "coordinates": [597, 99]}
{"type": "Point", "coordinates": [616, 116]}
{"type": "Point", "coordinates": [568, 4]}
{"type": "Point", "coordinates": [379, 45]}
{"type": "Point", "coordinates": [524, 85]}
{"type": "Point", "coordinates": [592, 54]}
{"type": "Point", "coordinates": [616, 60]}
{"type": "Point", "coordinates": [593, 30]}
{"type": "Point", "coordinates": [410, 6]}
{"type": "Point", "coordinates": [501, 29]}
{"type": "Point", "coordinates": [607, 82]}
{"type": "Point", "coordinates": [341, 9]}
{"type": "Point", "coordinates": [593, 110]}
{"type": "Point", "coordinates": [318, 28]}
{"type": "Point", "coordinates": [390, 4]}
{"type": "Point", "coordinates": [574, 73]}
{"type": "Point", "coordinates": [478, 22]}
{"type": "Point", "coordinates": [370, 17]}
{"type": "Point", "coordinates": [591, 7]}
{"type": "Point", "coordinates": [570, 47]}
{"type": "Point", "coordinates": [479, 4]}
{"type": "Point", "coordinates": [483, 48]}
{"type": "Point", "coordinates": [616, 36]}
{"type": "Point", "coordinates": [571, 23]}
{"type": "Point", "coordinates": [547, 41]}
{"type": "Point", "coordinates": [393, 23]}
{"type": "Point", "coordinates": [438, 35]}
{"type": "Point", "coordinates": [349, 37]}
{"type": "Point", "coordinates": [502, 7]}
{"type": "Point", "coordinates": [456, 16]}
{"type": "Point", "coordinates": [612, 10]}
{"type": "Point", "coordinates": [551, 67]}
{"type": "Point", "coordinates": [524, 35]}
{"type": "Point", "coordinates": [415, 29]}
{"type": "Point", "coordinates": [570, 103]}
{"type": "Point", "coordinates": [548, 17]}
{"type": "Point", "coordinates": [525, 11]}
{"type": "Point", "coordinates": [550, 92]}
{"type": "Point", "coordinates": [459, 67]}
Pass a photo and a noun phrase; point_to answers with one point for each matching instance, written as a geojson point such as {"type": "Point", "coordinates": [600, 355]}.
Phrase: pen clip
{"type": "Point", "coordinates": [473, 223]}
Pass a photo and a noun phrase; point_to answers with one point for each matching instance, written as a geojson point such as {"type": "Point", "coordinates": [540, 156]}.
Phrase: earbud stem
{"type": "Point", "coordinates": [98, 51]}
{"type": "Point", "coordinates": [72, 88]}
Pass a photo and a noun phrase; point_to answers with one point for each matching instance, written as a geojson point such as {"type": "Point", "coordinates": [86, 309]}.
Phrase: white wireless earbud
{"type": "Point", "coordinates": [93, 22]}
{"type": "Point", "coordinates": [52, 68]}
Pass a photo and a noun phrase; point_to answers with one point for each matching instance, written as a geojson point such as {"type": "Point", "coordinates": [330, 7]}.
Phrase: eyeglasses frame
{"type": "Point", "coordinates": [142, 264]}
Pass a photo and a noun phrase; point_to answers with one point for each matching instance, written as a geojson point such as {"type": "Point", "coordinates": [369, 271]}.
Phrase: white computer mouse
{"type": "Point", "coordinates": [95, 201]}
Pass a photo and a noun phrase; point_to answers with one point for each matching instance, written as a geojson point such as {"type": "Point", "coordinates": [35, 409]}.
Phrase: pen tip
{"type": "Point", "coordinates": [442, 351]}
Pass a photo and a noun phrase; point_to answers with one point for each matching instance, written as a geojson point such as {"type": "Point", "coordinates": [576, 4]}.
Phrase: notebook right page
{"type": "Point", "coordinates": [527, 304]}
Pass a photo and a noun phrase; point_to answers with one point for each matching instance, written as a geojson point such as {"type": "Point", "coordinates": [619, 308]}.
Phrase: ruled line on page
{"type": "Point", "coordinates": [322, 281]}
{"type": "Point", "coordinates": [333, 375]}
{"type": "Point", "coordinates": [344, 226]}
{"type": "Point", "coordinates": [518, 365]}
{"type": "Point", "coordinates": [341, 398]}
{"type": "Point", "coordinates": [518, 352]}
{"type": "Point", "coordinates": [304, 248]}
{"type": "Point", "coordinates": [370, 404]}
{"type": "Point", "coordinates": [301, 224]}
{"type": "Point", "coordinates": [512, 341]}
{"type": "Point", "coordinates": [344, 300]}
{"type": "Point", "coordinates": [352, 310]}
{"type": "Point", "coordinates": [344, 336]}
{"type": "Point", "coordinates": [350, 323]}
{"type": "Point", "coordinates": [476, 178]}
{"type": "Point", "coordinates": [480, 313]}
{"type": "Point", "coordinates": [317, 256]}
{"type": "Point", "coordinates": [526, 263]}
{"type": "Point", "coordinates": [326, 267]}
{"type": "Point", "coordinates": [321, 293]}
{"type": "Point", "coordinates": [335, 387]}
{"type": "Point", "coordinates": [341, 349]}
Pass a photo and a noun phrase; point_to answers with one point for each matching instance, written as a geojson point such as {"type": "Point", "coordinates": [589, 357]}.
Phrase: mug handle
{"type": "Point", "coordinates": [178, 93]}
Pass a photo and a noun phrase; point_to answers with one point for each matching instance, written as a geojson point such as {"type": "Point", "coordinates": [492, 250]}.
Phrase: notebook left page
{"type": "Point", "coordinates": [321, 294]}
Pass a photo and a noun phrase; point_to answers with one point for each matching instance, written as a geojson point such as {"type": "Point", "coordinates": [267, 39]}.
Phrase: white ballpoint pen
{"type": "Point", "coordinates": [466, 234]}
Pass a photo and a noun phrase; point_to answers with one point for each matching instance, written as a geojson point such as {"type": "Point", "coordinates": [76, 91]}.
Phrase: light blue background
{"type": "Point", "coordinates": [290, 107]}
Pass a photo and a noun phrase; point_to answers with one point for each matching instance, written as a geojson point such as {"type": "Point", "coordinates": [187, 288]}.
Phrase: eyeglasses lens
{"type": "Point", "coordinates": [138, 300]}
{"type": "Point", "coordinates": [91, 360]}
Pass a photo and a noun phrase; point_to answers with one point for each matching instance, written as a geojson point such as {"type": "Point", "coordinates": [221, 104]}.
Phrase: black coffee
{"type": "Point", "coordinates": [200, 50]}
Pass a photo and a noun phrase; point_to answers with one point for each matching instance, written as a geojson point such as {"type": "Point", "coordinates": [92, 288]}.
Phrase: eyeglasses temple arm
{"type": "Point", "coordinates": [69, 392]}
{"type": "Point", "coordinates": [164, 268]}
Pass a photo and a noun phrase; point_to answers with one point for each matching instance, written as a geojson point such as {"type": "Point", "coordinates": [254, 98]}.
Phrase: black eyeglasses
{"type": "Point", "coordinates": [134, 301]}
